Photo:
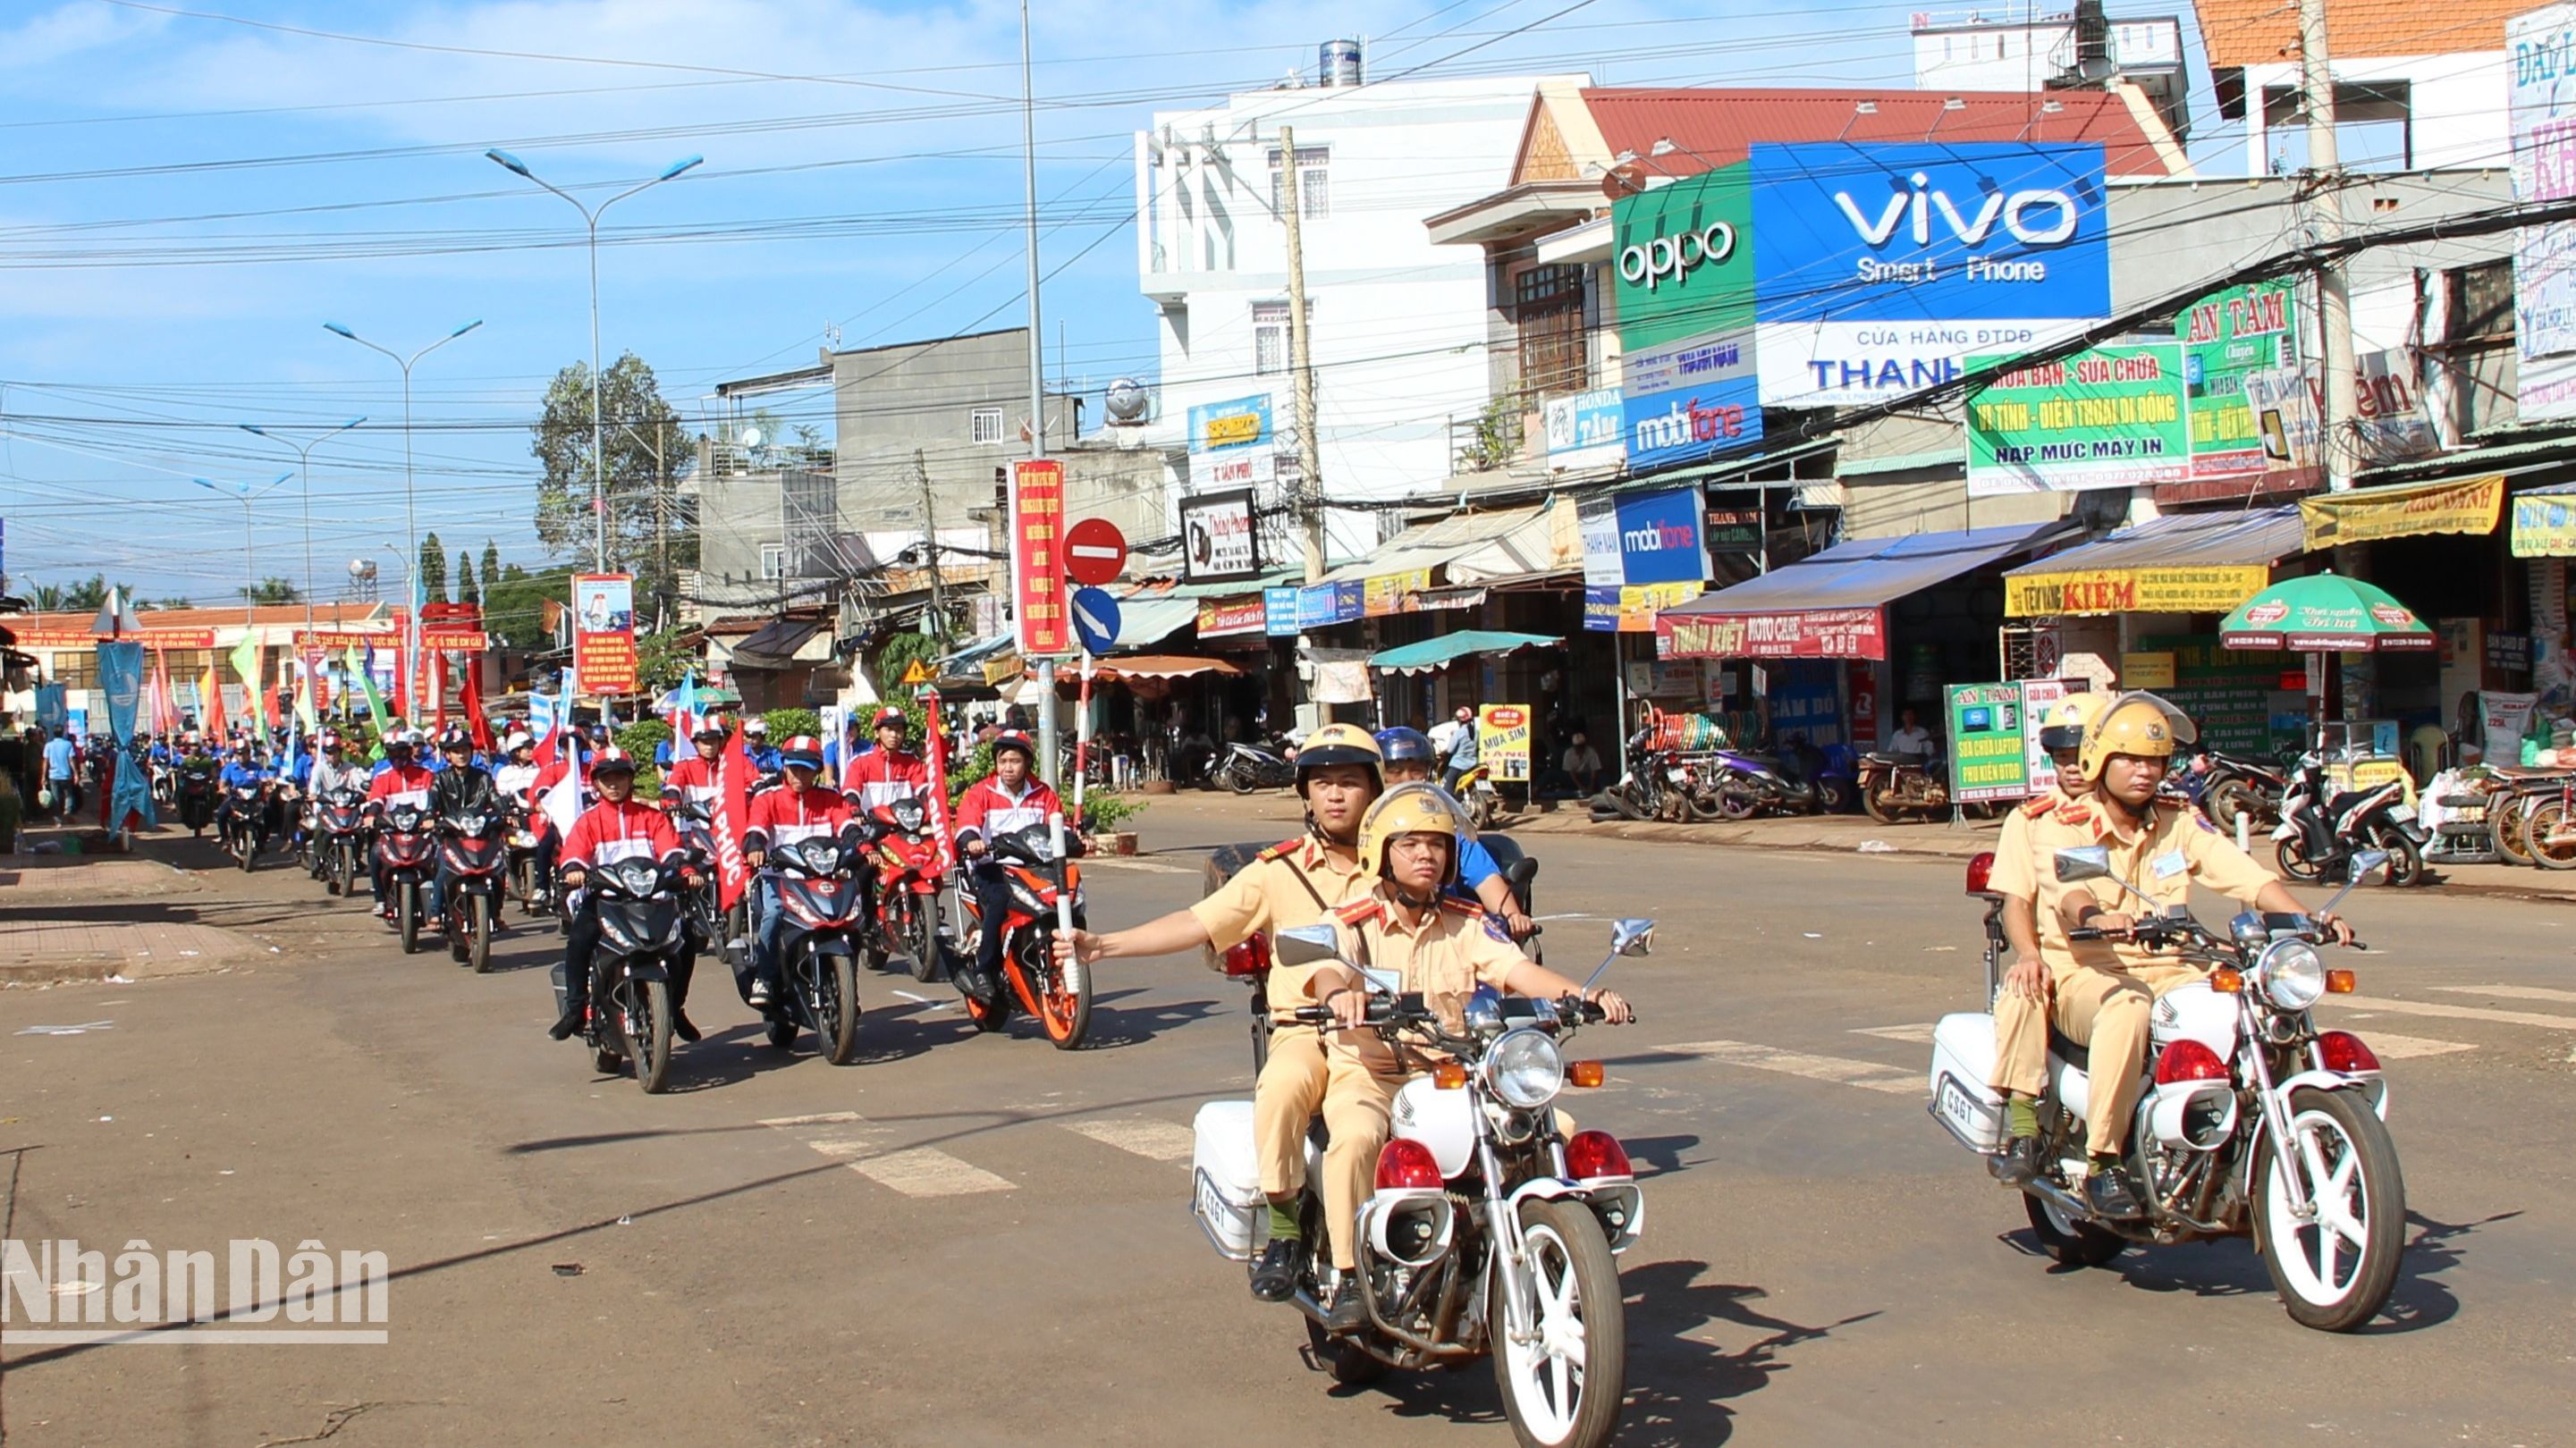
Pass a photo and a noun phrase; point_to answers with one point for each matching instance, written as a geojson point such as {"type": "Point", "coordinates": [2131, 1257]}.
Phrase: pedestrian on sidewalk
{"type": "Point", "coordinates": [61, 760]}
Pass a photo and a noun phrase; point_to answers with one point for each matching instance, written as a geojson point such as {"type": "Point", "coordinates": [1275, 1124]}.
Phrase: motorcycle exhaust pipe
{"type": "Point", "coordinates": [2073, 1207]}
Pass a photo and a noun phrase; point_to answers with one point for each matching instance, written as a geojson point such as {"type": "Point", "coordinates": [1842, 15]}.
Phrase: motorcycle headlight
{"type": "Point", "coordinates": [1525, 1069]}
{"type": "Point", "coordinates": [638, 877]}
{"type": "Point", "coordinates": [2294, 975]}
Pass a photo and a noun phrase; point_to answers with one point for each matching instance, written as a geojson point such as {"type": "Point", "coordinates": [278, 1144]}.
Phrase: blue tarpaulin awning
{"type": "Point", "coordinates": [1872, 572]}
{"type": "Point", "coordinates": [1433, 653]}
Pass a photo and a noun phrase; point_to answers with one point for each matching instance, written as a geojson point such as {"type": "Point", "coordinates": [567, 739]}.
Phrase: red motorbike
{"type": "Point", "coordinates": [820, 911]}
{"type": "Point", "coordinates": [1059, 998]}
{"type": "Point", "coordinates": [408, 851]}
{"type": "Point", "coordinates": [909, 869]}
{"type": "Point", "coordinates": [475, 855]}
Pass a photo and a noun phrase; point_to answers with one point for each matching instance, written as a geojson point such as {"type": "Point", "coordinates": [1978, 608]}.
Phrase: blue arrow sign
{"type": "Point", "coordinates": [1095, 619]}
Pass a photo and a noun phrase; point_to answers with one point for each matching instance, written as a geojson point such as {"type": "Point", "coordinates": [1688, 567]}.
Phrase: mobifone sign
{"type": "Point", "coordinates": [1880, 268]}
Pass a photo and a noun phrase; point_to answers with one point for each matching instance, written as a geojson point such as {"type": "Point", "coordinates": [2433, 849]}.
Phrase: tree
{"type": "Point", "coordinates": [514, 604]}
{"type": "Point", "coordinates": [276, 590]}
{"type": "Point", "coordinates": [171, 602]}
{"type": "Point", "coordinates": [433, 570]}
{"type": "Point", "coordinates": [491, 562]}
{"type": "Point", "coordinates": [87, 596]}
{"type": "Point", "coordinates": [645, 452]}
{"type": "Point", "coordinates": [466, 591]}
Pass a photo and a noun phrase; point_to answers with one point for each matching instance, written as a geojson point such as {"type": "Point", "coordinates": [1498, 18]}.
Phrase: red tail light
{"type": "Point", "coordinates": [2189, 1061]}
{"type": "Point", "coordinates": [1595, 1154]}
{"type": "Point", "coordinates": [1979, 869]}
{"type": "Point", "coordinates": [1250, 958]}
{"type": "Point", "coordinates": [2343, 1051]}
{"type": "Point", "coordinates": [1407, 1166]}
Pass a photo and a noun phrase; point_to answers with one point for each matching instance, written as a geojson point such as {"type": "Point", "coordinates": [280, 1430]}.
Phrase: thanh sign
{"type": "Point", "coordinates": [2215, 588]}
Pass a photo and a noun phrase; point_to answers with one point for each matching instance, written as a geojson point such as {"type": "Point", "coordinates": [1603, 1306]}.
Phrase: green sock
{"type": "Point", "coordinates": [2021, 1116]}
{"type": "Point", "coordinates": [2101, 1162]}
{"type": "Point", "coordinates": [1283, 1222]}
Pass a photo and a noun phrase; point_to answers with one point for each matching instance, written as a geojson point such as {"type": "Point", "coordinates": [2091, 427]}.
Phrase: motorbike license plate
{"type": "Point", "coordinates": [2403, 814]}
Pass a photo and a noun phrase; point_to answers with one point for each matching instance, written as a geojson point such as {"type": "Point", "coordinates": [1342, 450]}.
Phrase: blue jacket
{"type": "Point", "coordinates": [239, 775]}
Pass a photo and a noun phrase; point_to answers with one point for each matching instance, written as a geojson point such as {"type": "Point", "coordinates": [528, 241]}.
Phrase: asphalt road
{"type": "Point", "coordinates": [965, 1240]}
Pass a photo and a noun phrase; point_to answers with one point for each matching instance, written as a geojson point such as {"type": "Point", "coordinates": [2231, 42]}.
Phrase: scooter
{"type": "Point", "coordinates": [2321, 827]}
{"type": "Point", "coordinates": [1247, 767]}
{"type": "Point", "coordinates": [2253, 1120]}
{"type": "Point", "coordinates": [1799, 780]}
{"type": "Point", "coordinates": [1488, 1234]}
{"type": "Point", "coordinates": [471, 905]}
{"type": "Point", "coordinates": [819, 913]}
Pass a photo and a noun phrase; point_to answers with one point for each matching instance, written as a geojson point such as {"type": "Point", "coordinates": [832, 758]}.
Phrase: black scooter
{"type": "Point", "coordinates": [642, 941]}
{"type": "Point", "coordinates": [2322, 828]}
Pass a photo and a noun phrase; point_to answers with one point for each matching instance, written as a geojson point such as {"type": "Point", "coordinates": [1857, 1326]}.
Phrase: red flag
{"type": "Point", "coordinates": [210, 702]}
{"type": "Point", "coordinates": [438, 693]}
{"type": "Point", "coordinates": [268, 699]}
{"type": "Point", "coordinates": [470, 696]}
{"type": "Point", "coordinates": [937, 750]}
{"type": "Point", "coordinates": [731, 816]}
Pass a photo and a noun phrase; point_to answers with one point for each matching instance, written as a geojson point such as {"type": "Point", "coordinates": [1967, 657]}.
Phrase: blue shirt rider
{"type": "Point", "coordinates": [1409, 757]}
{"type": "Point", "coordinates": [755, 742]}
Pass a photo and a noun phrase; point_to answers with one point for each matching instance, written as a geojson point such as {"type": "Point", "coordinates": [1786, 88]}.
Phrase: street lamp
{"type": "Point", "coordinates": [590, 219]}
{"type": "Point", "coordinates": [411, 520]}
{"type": "Point", "coordinates": [304, 463]}
{"type": "Point", "coordinates": [250, 561]}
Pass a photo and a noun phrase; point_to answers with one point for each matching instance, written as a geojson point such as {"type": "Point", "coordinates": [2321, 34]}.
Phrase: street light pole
{"type": "Point", "coordinates": [250, 568]}
{"type": "Point", "coordinates": [590, 220]}
{"type": "Point", "coordinates": [411, 516]}
{"type": "Point", "coordinates": [304, 464]}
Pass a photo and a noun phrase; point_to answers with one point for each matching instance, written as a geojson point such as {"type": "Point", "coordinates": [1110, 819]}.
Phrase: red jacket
{"type": "Point", "coordinates": [607, 833]}
{"type": "Point", "coordinates": [882, 776]}
{"type": "Point", "coordinates": [784, 816]}
{"type": "Point", "coordinates": [693, 779]}
{"type": "Point", "coordinates": [985, 810]}
{"type": "Point", "coordinates": [408, 783]}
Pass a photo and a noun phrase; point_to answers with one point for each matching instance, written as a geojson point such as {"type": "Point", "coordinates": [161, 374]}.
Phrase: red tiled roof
{"type": "Point", "coordinates": [267, 615]}
{"type": "Point", "coordinates": [2259, 32]}
{"type": "Point", "coordinates": [1721, 125]}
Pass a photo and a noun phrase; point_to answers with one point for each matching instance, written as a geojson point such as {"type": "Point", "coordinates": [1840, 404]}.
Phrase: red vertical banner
{"type": "Point", "coordinates": [729, 819]}
{"type": "Point", "coordinates": [935, 750]}
{"type": "Point", "coordinates": [1037, 557]}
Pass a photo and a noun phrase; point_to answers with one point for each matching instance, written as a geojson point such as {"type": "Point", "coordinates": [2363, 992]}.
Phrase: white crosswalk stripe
{"type": "Point", "coordinates": [1867, 1075]}
{"type": "Point", "coordinates": [2455, 1013]}
{"type": "Point", "coordinates": [2389, 1047]}
{"type": "Point", "coordinates": [1146, 1137]}
{"type": "Point", "coordinates": [1920, 1034]}
{"type": "Point", "coordinates": [917, 1171]}
{"type": "Point", "coordinates": [2512, 992]}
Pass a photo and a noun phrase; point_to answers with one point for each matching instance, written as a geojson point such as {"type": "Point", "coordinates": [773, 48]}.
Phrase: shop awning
{"type": "Point", "coordinates": [2544, 522]}
{"type": "Point", "coordinates": [1423, 656]}
{"type": "Point", "coordinates": [1833, 605]}
{"type": "Point", "coordinates": [1143, 621]}
{"type": "Point", "coordinates": [2454, 505]}
{"type": "Point", "coordinates": [773, 646]}
{"type": "Point", "coordinates": [1159, 666]}
{"type": "Point", "coordinates": [2179, 563]}
{"type": "Point", "coordinates": [1513, 543]}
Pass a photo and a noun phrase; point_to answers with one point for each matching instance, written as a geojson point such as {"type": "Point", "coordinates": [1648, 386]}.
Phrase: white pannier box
{"type": "Point", "coordinates": [1963, 1056]}
{"type": "Point", "coordinates": [1225, 1179]}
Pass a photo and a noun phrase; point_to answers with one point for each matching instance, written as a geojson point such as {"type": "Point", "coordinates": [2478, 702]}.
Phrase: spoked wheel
{"type": "Point", "coordinates": [479, 932]}
{"type": "Point", "coordinates": [1876, 804]}
{"type": "Point", "coordinates": [835, 1003]}
{"type": "Point", "coordinates": [2550, 835]}
{"type": "Point", "coordinates": [407, 914]}
{"type": "Point", "coordinates": [921, 939]}
{"type": "Point", "coordinates": [2293, 856]}
{"type": "Point", "coordinates": [1562, 1387]}
{"type": "Point", "coordinates": [2335, 1269]}
{"type": "Point", "coordinates": [2068, 1242]}
{"type": "Point", "coordinates": [643, 1016]}
{"type": "Point", "coordinates": [2507, 816]}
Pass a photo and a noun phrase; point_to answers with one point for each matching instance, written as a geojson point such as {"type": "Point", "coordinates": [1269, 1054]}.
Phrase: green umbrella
{"type": "Point", "coordinates": [2325, 613]}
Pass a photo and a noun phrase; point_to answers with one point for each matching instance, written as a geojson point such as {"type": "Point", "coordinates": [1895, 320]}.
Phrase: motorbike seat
{"type": "Point", "coordinates": [2072, 1052]}
{"type": "Point", "coordinates": [1878, 757]}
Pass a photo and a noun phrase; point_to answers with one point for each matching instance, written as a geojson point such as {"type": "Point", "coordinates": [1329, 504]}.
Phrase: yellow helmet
{"type": "Point", "coordinates": [1339, 744]}
{"type": "Point", "coordinates": [2062, 728]}
{"type": "Point", "coordinates": [1420, 807]}
{"type": "Point", "coordinates": [2135, 723]}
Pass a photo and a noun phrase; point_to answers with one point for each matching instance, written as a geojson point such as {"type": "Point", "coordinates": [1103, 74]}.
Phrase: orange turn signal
{"type": "Point", "coordinates": [2227, 980]}
{"type": "Point", "coordinates": [1449, 1076]}
{"type": "Point", "coordinates": [2339, 982]}
{"type": "Point", "coordinates": [1582, 1073]}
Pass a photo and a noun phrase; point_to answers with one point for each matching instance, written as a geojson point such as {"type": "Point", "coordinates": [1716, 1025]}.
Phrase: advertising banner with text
{"type": "Point", "coordinates": [1822, 633]}
{"type": "Point", "coordinates": [2224, 336]}
{"type": "Point", "coordinates": [1037, 554]}
{"type": "Point", "coordinates": [2111, 417]}
{"type": "Point", "coordinates": [603, 632]}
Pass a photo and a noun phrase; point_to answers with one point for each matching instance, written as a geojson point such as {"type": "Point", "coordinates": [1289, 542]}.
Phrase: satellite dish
{"type": "Point", "coordinates": [751, 437]}
{"type": "Point", "coordinates": [1128, 401]}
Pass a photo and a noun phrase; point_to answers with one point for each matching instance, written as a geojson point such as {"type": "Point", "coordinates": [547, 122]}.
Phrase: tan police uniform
{"type": "Point", "coordinates": [2105, 989]}
{"type": "Point", "coordinates": [2021, 1046]}
{"type": "Point", "coordinates": [1445, 957]}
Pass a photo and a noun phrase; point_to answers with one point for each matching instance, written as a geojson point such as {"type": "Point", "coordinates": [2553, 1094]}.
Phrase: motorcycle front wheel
{"type": "Point", "coordinates": [1063, 1009]}
{"type": "Point", "coordinates": [479, 932]}
{"type": "Point", "coordinates": [2333, 1269]}
{"type": "Point", "coordinates": [835, 1004]}
{"type": "Point", "coordinates": [2294, 861]}
{"type": "Point", "coordinates": [2507, 817]}
{"type": "Point", "coordinates": [1236, 777]}
{"type": "Point", "coordinates": [1875, 802]}
{"type": "Point", "coordinates": [1562, 1388]}
{"type": "Point", "coordinates": [921, 938]}
{"type": "Point", "coordinates": [2549, 834]}
{"type": "Point", "coordinates": [347, 873]}
{"type": "Point", "coordinates": [407, 908]}
{"type": "Point", "coordinates": [643, 1016]}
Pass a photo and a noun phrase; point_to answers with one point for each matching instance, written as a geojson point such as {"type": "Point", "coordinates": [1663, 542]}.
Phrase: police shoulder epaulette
{"type": "Point", "coordinates": [1281, 850]}
{"type": "Point", "coordinates": [1359, 912]}
{"type": "Point", "coordinates": [2039, 806]}
{"type": "Point", "coordinates": [2075, 812]}
{"type": "Point", "coordinates": [1456, 906]}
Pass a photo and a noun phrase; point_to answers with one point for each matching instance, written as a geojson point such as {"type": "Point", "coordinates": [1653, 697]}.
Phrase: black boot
{"type": "Point", "coordinates": [1274, 1277]}
{"type": "Point", "coordinates": [576, 1012]}
{"type": "Point", "coordinates": [1349, 1312]}
{"type": "Point", "coordinates": [2017, 1163]}
{"type": "Point", "coordinates": [2108, 1192]}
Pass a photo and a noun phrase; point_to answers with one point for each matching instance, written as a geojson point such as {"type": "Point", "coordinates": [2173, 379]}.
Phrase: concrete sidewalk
{"type": "Point", "coordinates": [1277, 810]}
{"type": "Point", "coordinates": [94, 916]}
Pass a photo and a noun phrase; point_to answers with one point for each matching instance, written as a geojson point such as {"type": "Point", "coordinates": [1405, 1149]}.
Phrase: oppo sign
{"type": "Point", "coordinates": [1649, 264]}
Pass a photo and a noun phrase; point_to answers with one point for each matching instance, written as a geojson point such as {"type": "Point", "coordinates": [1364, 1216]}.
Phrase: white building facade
{"type": "Point", "coordinates": [1396, 324]}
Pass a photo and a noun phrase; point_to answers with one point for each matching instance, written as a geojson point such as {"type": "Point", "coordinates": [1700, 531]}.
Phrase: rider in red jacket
{"type": "Point", "coordinates": [617, 828]}
{"type": "Point", "coordinates": [403, 781]}
{"type": "Point", "coordinates": [1004, 802]}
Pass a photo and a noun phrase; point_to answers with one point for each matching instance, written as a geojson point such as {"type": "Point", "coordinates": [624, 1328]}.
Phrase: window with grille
{"type": "Point", "coordinates": [1270, 337]}
{"type": "Point", "coordinates": [773, 561]}
{"type": "Point", "coordinates": [984, 424]}
{"type": "Point", "coordinates": [2486, 300]}
{"type": "Point", "coordinates": [1314, 187]}
{"type": "Point", "coordinates": [1547, 306]}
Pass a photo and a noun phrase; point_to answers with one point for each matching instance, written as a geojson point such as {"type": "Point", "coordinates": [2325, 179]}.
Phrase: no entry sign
{"type": "Point", "coordinates": [1094, 551]}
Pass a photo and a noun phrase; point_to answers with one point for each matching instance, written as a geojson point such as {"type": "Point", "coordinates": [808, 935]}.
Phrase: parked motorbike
{"type": "Point", "coordinates": [197, 776]}
{"type": "Point", "coordinates": [2254, 1120]}
{"type": "Point", "coordinates": [2321, 827]}
{"type": "Point", "coordinates": [1737, 785]}
{"type": "Point", "coordinates": [640, 940]}
{"type": "Point", "coordinates": [241, 822]}
{"type": "Point", "coordinates": [1896, 788]}
{"type": "Point", "coordinates": [339, 839]}
{"type": "Point", "coordinates": [2227, 785]}
{"type": "Point", "coordinates": [1656, 784]}
{"type": "Point", "coordinates": [1488, 1235]}
{"type": "Point", "coordinates": [1482, 797]}
{"type": "Point", "coordinates": [2536, 823]}
{"type": "Point", "coordinates": [1244, 768]}
{"type": "Point", "coordinates": [1060, 997]}
{"type": "Point", "coordinates": [471, 904]}
{"type": "Point", "coordinates": [909, 871]}
{"type": "Point", "coordinates": [820, 911]}
{"type": "Point", "coordinates": [409, 852]}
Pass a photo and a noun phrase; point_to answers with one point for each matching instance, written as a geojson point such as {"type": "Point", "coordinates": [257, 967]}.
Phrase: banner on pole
{"type": "Point", "coordinates": [604, 631]}
{"type": "Point", "coordinates": [1037, 559]}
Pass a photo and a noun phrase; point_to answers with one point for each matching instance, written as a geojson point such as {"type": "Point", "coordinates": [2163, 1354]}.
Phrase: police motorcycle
{"type": "Point", "coordinates": [1488, 1234]}
{"type": "Point", "coordinates": [641, 934]}
{"type": "Point", "coordinates": [2253, 1121]}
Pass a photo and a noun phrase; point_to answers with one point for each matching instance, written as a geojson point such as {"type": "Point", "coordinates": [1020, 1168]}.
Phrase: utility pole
{"type": "Point", "coordinates": [1310, 473]}
{"type": "Point", "coordinates": [662, 522]}
{"type": "Point", "coordinates": [2334, 294]}
{"type": "Point", "coordinates": [930, 542]}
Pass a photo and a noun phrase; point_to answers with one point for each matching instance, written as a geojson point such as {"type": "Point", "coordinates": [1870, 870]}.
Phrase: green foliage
{"type": "Point", "coordinates": [636, 423]}
{"type": "Point", "coordinates": [87, 596]}
{"type": "Point", "coordinates": [898, 653]}
{"type": "Point", "coordinates": [491, 561]}
{"type": "Point", "coordinates": [640, 737]}
{"type": "Point", "coordinates": [467, 591]}
{"type": "Point", "coordinates": [963, 772]}
{"type": "Point", "coordinates": [276, 590]}
{"type": "Point", "coordinates": [514, 603]}
{"type": "Point", "coordinates": [433, 570]}
{"type": "Point", "coordinates": [661, 658]}
{"type": "Point", "coordinates": [1498, 436]}
{"type": "Point", "coordinates": [1103, 812]}
{"type": "Point", "coordinates": [786, 724]}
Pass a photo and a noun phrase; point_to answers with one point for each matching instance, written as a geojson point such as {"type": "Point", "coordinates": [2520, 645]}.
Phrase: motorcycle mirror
{"type": "Point", "coordinates": [1307, 945]}
{"type": "Point", "coordinates": [2368, 863]}
{"type": "Point", "coordinates": [2083, 862]}
{"type": "Point", "coordinates": [1632, 937]}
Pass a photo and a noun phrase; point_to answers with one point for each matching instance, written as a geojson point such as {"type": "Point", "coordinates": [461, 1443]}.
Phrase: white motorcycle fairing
{"type": "Point", "coordinates": [1440, 1120]}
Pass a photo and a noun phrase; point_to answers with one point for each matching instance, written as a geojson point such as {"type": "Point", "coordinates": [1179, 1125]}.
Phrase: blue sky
{"type": "Point", "coordinates": [186, 198]}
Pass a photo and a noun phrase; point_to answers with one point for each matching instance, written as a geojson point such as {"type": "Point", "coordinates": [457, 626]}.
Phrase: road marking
{"type": "Point", "coordinates": [2400, 1048]}
{"type": "Point", "coordinates": [1149, 867]}
{"type": "Point", "coordinates": [1867, 1075]}
{"type": "Point", "coordinates": [1921, 1034]}
{"type": "Point", "coordinates": [2512, 992]}
{"type": "Point", "coordinates": [820, 1118]}
{"type": "Point", "coordinates": [924, 1171]}
{"type": "Point", "coordinates": [1154, 1140]}
{"type": "Point", "coordinates": [2460, 1013]}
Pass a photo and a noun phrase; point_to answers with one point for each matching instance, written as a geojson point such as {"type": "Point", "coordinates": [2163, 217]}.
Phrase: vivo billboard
{"type": "Point", "coordinates": [1880, 268]}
